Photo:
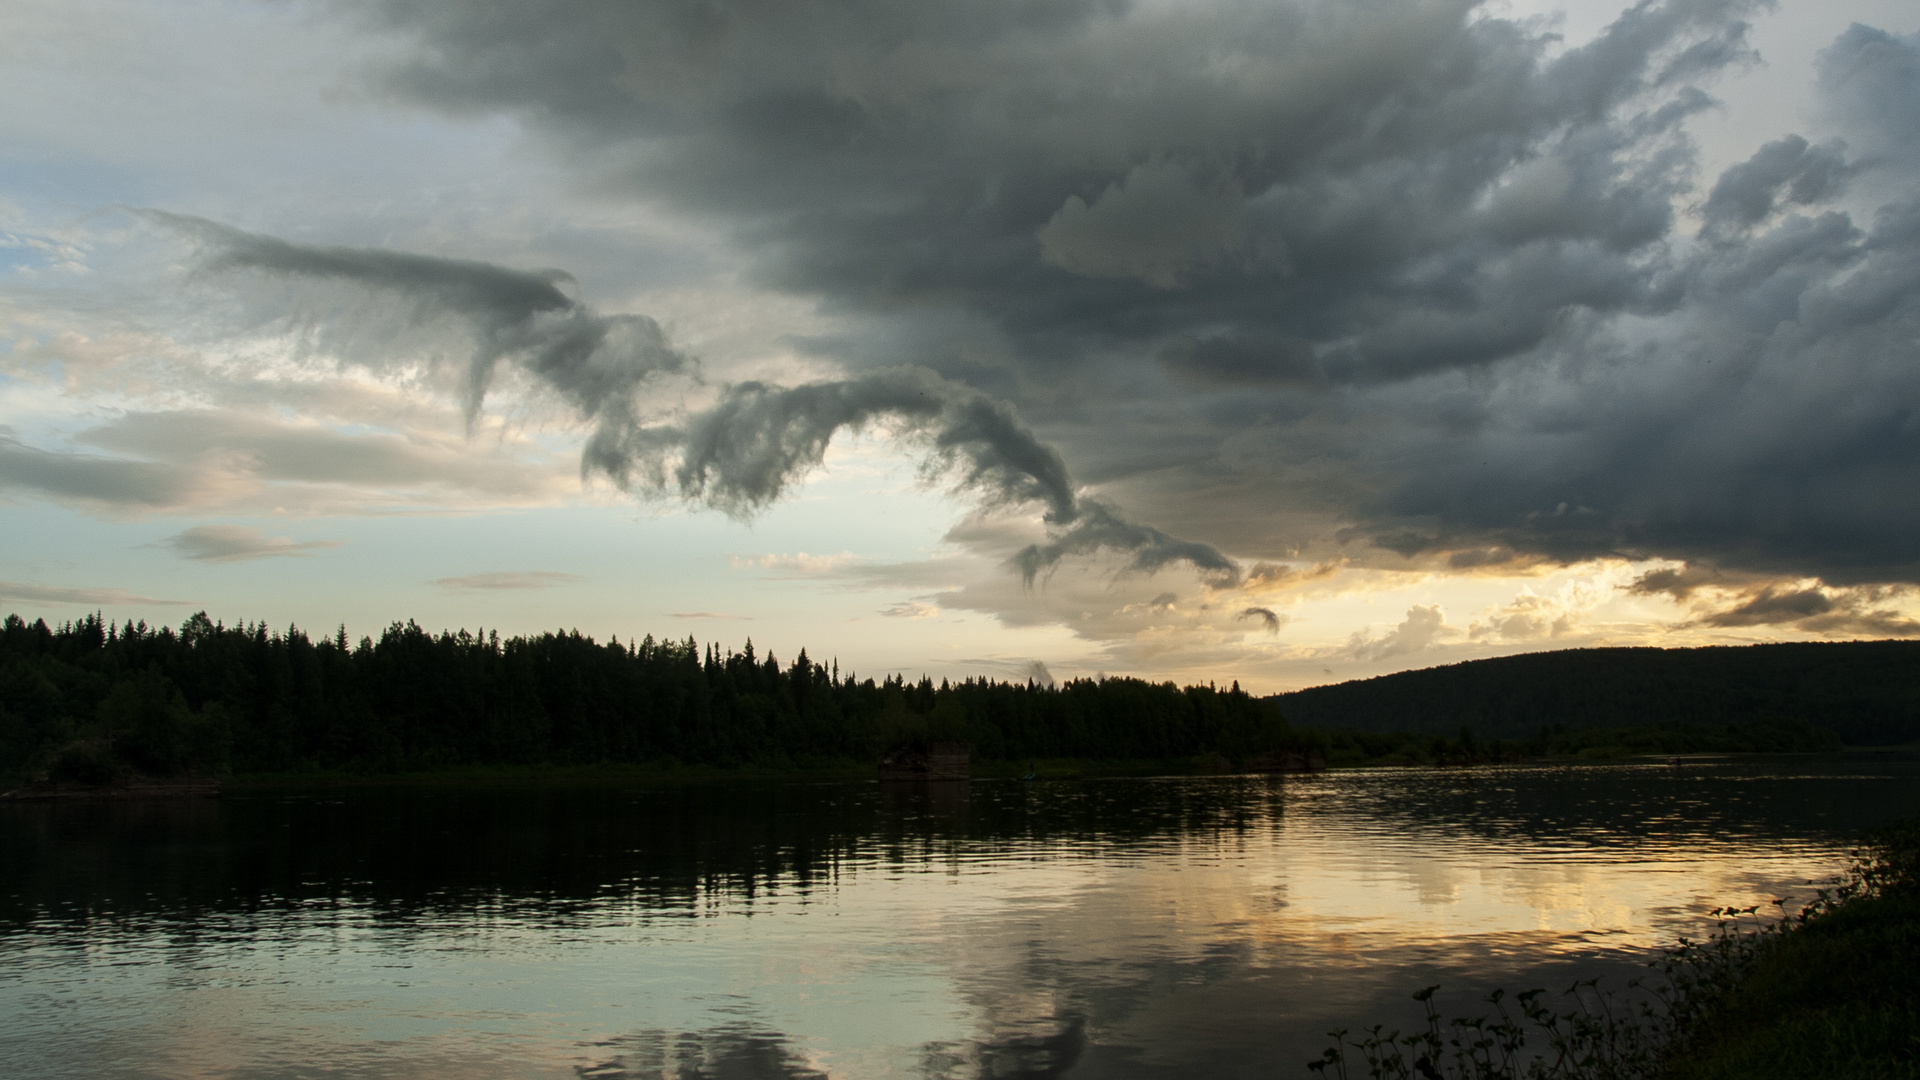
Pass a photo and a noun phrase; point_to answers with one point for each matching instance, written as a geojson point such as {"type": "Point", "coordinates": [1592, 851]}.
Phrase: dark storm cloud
{"type": "Point", "coordinates": [1787, 171]}
{"type": "Point", "coordinates": [1378, 191]}
{"type": "Point", "coordinates": [1407, 243]}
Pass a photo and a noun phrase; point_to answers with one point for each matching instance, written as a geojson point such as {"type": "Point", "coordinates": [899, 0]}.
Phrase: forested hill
{"type": "Point", "coordinates": [1867, 692]}
{"type": "Point", "coordinates": [88, 700]}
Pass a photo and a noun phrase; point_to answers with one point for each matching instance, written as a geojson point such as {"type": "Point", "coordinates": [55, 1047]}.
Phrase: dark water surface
{"type": "Point", "coordinates": [1108, 928]}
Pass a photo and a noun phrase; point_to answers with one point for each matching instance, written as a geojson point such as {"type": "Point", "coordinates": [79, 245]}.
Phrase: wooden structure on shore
{"type": "Point", "coordinates": [935, 761]}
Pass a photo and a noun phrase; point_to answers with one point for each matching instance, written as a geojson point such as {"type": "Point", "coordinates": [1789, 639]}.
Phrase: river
{"type": "Point", "coordinates": [1180, 927]}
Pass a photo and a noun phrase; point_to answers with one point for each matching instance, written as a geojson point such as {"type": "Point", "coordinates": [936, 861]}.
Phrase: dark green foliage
{"type": "Point", "coordinates": [88, 698]}
{"type": "Point", "coordinates": [1756, 697]}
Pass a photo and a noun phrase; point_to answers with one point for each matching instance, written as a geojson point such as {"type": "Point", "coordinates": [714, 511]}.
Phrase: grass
{"type": "Point", "coordinates": [1831, 992]}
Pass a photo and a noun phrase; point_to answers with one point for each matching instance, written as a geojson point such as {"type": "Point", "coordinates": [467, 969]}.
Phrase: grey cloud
{"type": "Point", "coordinates": [238, 543]}
{"type": "Point", "coordinates": [54, 594]}
{"type": "Point", "coordinates": [508, 580]}
{"type": "Point", "coordinates": [266, 449]}
{"type": "Point", "coordinates": [758, 440]}
{"type": "Point", "coordinates": [1099, 527]}
{"type": "Point", "coordinates": [1677, 582]}
{"type": "Point", "coordinates": [1266, 616]}
{"type": "Point", "coordinates": [1815, 610]}
{"type": "Point", "coordinates": [1871, 84]}
{"type": "Point", "coordinates": [1303, 170]}
{"type": "Point", "coordinates": [90, 478]}
{"type": "Point", "coordinates": [740, 454]}
{"type": "Point", "coordinates": [1788, 171]}
{"type": "Point", "coordinates": [1433, 262]}
{"type": "Point", "coordinates": [1155, 224]}
{"type": "Point", "coordinates": [596, 362]}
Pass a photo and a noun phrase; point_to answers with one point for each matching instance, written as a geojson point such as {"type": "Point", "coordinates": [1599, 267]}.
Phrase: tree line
{"type": "Point", "coordinates": [88, 700]}
{"type": "Point", "coordinates": [91, 701]}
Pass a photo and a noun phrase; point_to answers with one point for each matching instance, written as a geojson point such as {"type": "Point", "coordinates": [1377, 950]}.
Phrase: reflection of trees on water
{"type": "Point", "coordinates": [552, 852]}
{"type": "Point", "coordinates": [552, 849]}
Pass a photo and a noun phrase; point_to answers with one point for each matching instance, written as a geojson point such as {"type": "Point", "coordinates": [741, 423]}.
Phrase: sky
{"type": "Point", "coordinates": [1273, 342]}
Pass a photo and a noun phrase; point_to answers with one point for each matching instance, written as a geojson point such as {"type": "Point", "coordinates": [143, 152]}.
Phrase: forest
{"type": "Point", "coordinates": [1866, 693]}
{"type": "Point", "coordinates": [87, 699]}
{"type": "Point", "coordinates": [90, 702]}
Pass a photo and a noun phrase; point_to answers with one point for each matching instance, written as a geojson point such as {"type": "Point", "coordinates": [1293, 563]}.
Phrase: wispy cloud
{"type": "Point", "coordinates": [799, 564]}
{"type": "Point", "coordinates": [509, 579]}
{"type": "Point", "coordinates": [910, 609]}
{"type": "Point", "coordinates": [54, 594]}
{"type": "Point", "coordinates": [238, 543]}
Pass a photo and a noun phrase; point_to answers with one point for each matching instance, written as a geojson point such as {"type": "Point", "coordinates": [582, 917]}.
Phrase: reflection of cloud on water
{"type": "Point", "coordinates": [727, 1052]}
{"type": "Point", "coordinates": [1038, 1051]}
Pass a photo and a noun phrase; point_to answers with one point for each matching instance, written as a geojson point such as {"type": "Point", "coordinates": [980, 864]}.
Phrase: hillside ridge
{"type": "Point", "coordinates": [1867, 692]}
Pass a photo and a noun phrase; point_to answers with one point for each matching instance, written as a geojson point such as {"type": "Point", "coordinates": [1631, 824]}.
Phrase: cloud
{"type": "Point", "coordinates": [1812, 609]}
{"type": "Point", "coordinates": [1155, 224]}
{"type": "Point", "coordinates": [911, 609]}
{"type": "Point", "coordinates": [51, 594]}
{"type": "Point", "coordinates": [705, 615]}
{"type": "Point", "coordinates": [1525, 618]}
{"type": "Point", "coordinates": [510, 580]}
{"type": "Point", "coordinates": [745, 451]}
{"type": "Point", "coordinates": [1679, 582]}
{"type": "Point", "coordinates": [1275, 577]}
{"type": "Point", "coordinates": [597, 363]}
{"type": "Point", "coordinates": [1787, 172]}
{"type": "Point", "coordinates": [239, 543]}
{"type": "Point", "coordinates": [1408, 269]}
{"type": "Point", "coordinates": [1423, 625]}
{"type": "Point", "coordinates": [798, 565]}
{"type": "Point", "coordinates": [90, 478]}
{"type": "Point", "coordinates": [1265, 615]}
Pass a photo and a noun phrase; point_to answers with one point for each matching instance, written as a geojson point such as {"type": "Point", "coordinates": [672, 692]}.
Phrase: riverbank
{"type": "Point", "coordinates": [1833, 991]}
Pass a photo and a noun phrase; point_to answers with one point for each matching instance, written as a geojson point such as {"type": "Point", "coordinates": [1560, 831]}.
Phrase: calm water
{"type": "Point", "coordinates": [1117, 928]}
